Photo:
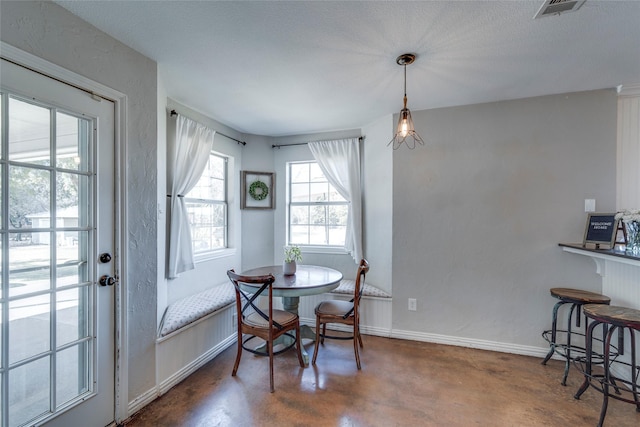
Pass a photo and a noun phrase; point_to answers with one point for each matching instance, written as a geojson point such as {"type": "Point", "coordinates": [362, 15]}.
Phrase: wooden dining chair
{"type": "Point", "coordinates": [254, 322]}
{"type": "Point", "coordinates": [344, 312]}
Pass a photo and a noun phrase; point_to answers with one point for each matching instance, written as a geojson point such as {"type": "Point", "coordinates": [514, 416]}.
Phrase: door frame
{"type": "Point", "coordinates": [119, 99]}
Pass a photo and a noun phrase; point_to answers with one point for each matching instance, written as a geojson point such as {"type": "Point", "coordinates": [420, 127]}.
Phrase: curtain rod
{"type": "Point", "coordinates": [174, 113]}
{"type": "Point", "coordinates": [360, 138]}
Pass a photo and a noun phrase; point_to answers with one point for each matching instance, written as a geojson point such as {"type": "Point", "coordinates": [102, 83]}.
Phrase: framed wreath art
{"type": "Point", "coordinates": [257, 190]}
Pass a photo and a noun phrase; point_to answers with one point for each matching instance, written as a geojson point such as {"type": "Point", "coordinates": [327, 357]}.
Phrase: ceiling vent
{"type": "Point", "coordinates": [556, 7]}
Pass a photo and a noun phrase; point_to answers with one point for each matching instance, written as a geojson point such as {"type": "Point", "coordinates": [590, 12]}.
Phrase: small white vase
{"type": "Point", "coordinates": [289, 268]}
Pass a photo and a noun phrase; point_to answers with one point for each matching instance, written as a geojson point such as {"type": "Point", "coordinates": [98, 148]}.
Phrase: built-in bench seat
{"type": "Point", "coordinates": [194, 307]}
{"type": "Point", "coordinates": [347, 286]}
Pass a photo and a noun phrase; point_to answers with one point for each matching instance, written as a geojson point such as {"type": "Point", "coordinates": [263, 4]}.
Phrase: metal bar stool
{"type": "Point", "coordinates": [615, 371]}
{"type": "Point", "coordinates": [565, 348]}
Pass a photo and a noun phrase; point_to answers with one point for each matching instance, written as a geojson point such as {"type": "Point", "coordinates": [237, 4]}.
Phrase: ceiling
{"type": "Point", "coordinates": [286, 68]}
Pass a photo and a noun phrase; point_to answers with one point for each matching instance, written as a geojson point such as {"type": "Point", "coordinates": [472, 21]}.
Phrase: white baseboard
{"type": "Point", "coordinates": [142, 400]}
{"type": "Point", "coordinates": [501, 347]}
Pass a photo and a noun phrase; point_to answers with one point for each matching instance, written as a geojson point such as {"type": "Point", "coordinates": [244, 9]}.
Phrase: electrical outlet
{"type": "Point", "coordinates": [589, 205]}
{"type": "Point", "coordinates": [413, 304]}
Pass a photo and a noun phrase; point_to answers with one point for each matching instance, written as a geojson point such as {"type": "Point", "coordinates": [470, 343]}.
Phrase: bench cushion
{"type": "Point", "coordinates": [193, 307]}
{"type": "Point", "coordinates": [348, 286]}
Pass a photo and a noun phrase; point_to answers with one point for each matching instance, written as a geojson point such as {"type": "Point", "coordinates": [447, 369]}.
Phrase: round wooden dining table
{"type": "Point", "coordinates": [308, 280]}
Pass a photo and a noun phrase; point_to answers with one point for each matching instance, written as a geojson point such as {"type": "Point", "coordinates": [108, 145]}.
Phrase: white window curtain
{"type": "Point", "coordinates": [340, 162]}
{"type": "Point", "coordinates": [192, 145]}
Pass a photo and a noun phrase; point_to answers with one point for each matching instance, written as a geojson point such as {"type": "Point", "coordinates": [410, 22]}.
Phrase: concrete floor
{"type": "Point", "coordinates": [402, 383]}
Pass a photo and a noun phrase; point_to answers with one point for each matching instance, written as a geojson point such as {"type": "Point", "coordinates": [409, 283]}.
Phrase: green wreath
{"type": "Point", "coordinates": [258, 190]}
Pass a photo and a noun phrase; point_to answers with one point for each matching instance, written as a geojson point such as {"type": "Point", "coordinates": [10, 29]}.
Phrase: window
{"type": "Point", "coordinates": [207, 207]}
{"type": "Point", "coordinates": [317, 213]}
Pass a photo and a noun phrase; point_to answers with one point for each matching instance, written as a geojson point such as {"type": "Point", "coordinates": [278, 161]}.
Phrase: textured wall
{"type": "Point", "coordinates": [378, 201]}
{"type": "Point", "coordinates": [478, 212]}
{"type": "Point", "coordinates": [46, 30]}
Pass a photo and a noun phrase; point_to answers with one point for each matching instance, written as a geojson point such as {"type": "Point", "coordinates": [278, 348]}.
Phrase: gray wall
{"type": "Point", "coordinates": [377, 204]}
{"type": "Point", "coordinates": [48, 31]}
{"type": "Point", "coordinates": [479, 211]}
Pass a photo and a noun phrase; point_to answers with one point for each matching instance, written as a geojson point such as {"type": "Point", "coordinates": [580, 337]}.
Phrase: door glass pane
{"type": "Point", "coordinates": [71, 259]}
{"type": "Point", "coordinates": [72, 142]}
{"type": "Point", "coordinates": [29, 262]}
{"type": "Point", "coordinates": [29, 133]}
{"type": "Point", "coordinates": [29, 391]}
{"type": "Point", "coordinates": [29, 330]}
{"type": "Point", "coordinates": [29, 197]}
{"type": "Point", "coordinates": [71, 196]}
{"type": "Point", "coordinates": [72, 321]}
{"type": "Point", "coordinates": [72, 379]}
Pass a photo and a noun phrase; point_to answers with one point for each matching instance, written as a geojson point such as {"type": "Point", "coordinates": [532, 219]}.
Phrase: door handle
{"type": "Point", "coordinates": [107, 280]}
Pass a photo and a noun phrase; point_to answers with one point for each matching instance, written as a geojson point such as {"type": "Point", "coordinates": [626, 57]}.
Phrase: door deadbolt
{"type": "Point", "coordinates": [107, 280]}
{"type": "Point", "coordinates": [105, 257]}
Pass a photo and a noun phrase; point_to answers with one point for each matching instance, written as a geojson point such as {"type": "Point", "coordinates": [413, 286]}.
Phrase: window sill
{"type": "Point", "coordinates": [209, 256]}
{"type": "Point", "coordinates": [333, 250]}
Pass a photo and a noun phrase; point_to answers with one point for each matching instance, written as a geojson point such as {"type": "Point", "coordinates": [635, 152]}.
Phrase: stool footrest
{"type": "Point", "coordinates": [625, 390]}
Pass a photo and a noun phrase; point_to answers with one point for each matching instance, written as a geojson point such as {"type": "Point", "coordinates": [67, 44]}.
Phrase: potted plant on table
{"type": "Point", "coordinates": [291, 255]}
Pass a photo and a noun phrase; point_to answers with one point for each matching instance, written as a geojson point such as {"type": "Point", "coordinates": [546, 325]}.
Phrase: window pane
{"type": "Point", "coordinates": [72, 315]}
{"type": "Point", "coordinates": [299, 215]}
{"type": "Point", "coordinates": [318, 214]}
{"type": "Point", "coordinates": [72, 379]}
{"type": "Point", "coordinates": [300, 193]}
{"type": "Point", "coordinates": [71, 262]}
{"type": "Point", "coordinates": [299, 172]}
{"type": "Point", "coordinates": [211, 184]}
{"type": "Point", "coordinates": [29, 262]}
{"type": "Point", "coordinates": [29, 387]}
{"type": "Point", "coordinates": [334, 196]}
{"type": "Point", "coordinates": [315, 173]}
{"type": "Point", "coordinates": [318, 235]}
{"type": "Point", "coordinates": [29, 133]}
{"type": "Point", "coordinates": [71, 196]}
{"type": "Point", "coordinates": [337, 236]}
{"type": "Point", "coordinates": [72, 142]}
{"type": "Point", "coordinates": [29, 197]}
{"type": "Point", "coordinates": [319, 192]}
{"type": "Point", "coordinates": [337, 215]}
{"type": "Point", "coordinates": [29, 321]}
{"type": "Point", "coordinates": [299, 235]}
{"type": "Point", "coordinates": [216, 166]}
{"type": "Point", "coordinates": [208, 223]}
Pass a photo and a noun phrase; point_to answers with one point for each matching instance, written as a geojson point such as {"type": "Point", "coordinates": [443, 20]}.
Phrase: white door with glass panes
{"type": "Point", "coordinates": [57, 253]}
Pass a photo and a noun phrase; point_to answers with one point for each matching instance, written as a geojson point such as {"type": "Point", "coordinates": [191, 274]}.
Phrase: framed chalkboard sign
{"type": "Point", "coordinates": [601, 229]}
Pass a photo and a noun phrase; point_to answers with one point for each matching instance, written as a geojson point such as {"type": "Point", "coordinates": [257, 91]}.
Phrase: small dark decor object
{"type": "Point", "coordinates": [257, 190]}
{"type": "Point", "coordinates": [601, 229]}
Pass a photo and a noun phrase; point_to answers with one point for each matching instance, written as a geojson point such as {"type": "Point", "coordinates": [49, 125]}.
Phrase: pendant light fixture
{"type": "Point", "coordinates": [406, 132]}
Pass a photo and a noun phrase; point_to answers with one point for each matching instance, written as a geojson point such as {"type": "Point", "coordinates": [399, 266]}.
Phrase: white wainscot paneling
{"type": "Point", "coordinates": [375, 313]}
